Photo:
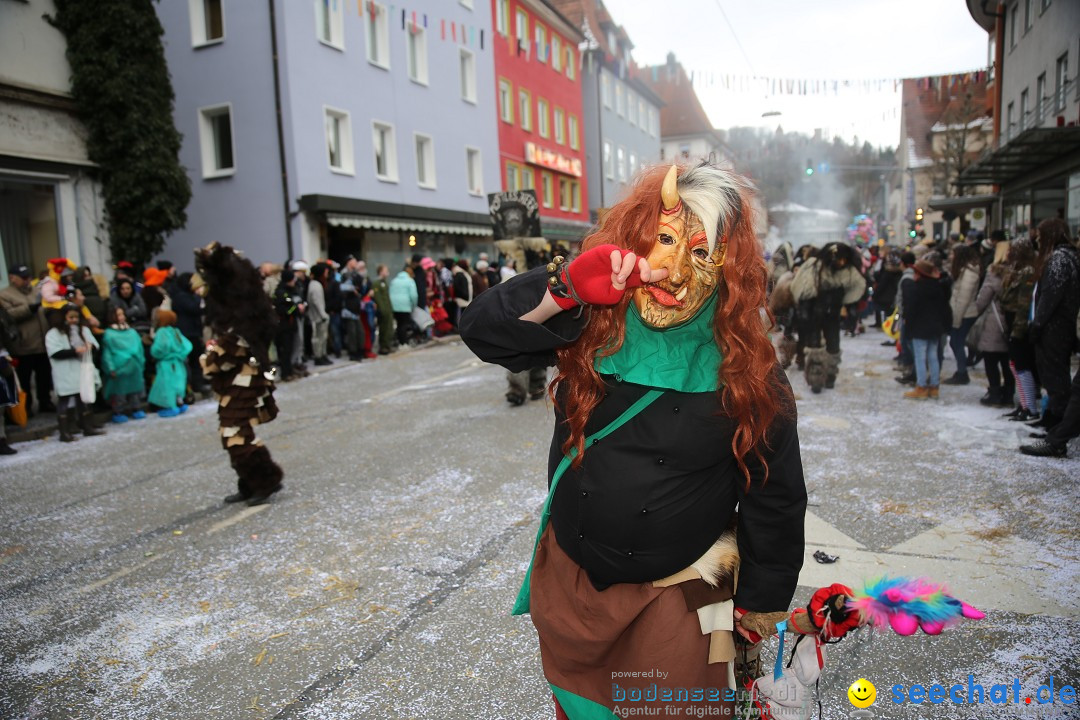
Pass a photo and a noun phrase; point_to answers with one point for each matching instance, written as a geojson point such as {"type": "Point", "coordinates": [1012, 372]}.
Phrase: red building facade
{"type": "Point", "coordinates": [539, 107]}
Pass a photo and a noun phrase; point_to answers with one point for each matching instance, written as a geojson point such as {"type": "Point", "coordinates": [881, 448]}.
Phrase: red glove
{"type": "Point", "coordinates": [589, 278]}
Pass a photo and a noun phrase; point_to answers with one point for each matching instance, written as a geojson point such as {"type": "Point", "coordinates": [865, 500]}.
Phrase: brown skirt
{"type": "Point", "coordinates": [633, 648]}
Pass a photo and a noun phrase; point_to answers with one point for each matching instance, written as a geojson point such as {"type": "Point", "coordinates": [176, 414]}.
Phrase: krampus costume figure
{"type": "Point", "coordinates": [238, 365]}
{"type": "Point", "coordinates": [821, 288]}
{"type": "Point", "coordinates": [670, 411]}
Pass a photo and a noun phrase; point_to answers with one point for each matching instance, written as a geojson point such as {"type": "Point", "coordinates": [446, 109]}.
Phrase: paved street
{"type": "Point", "coordinates": [378, 583]}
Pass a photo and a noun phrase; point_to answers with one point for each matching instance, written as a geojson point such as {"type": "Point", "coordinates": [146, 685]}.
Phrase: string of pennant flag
{"type": "Point", "coordinates": [412, 21]}
{"type": "Point", "coordinates": [804, 86]}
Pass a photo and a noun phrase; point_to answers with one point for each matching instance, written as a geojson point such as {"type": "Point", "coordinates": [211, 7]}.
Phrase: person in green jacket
{"type": "Point", "coordinates": [124, 363]}
{"type": "Point", "coordinates": [170, 351]}
{"type": "Point", "coordinates": [380, 293]}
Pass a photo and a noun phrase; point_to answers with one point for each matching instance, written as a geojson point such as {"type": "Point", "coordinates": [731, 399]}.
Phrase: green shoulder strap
{"type": "Point", "coordinates": [521, 605]}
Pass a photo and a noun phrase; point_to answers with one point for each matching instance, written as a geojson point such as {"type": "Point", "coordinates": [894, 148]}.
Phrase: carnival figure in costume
{"type": "Point", "coordinates": [670, 411]}
{"type": "Point", "coordinates": [821, 288]}
{"type": "Point", "coordinates": [237, 364]}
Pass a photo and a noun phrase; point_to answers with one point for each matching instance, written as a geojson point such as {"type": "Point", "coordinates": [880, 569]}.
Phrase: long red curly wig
{"type": "Point", "coordinates": [749, 390]}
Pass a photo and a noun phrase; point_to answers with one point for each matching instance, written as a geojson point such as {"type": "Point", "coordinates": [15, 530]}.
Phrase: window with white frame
{"type": "Point", "coordinates": [216, 141]}
{"type": "Point", "coordinates": [502, 16]}
{"type": "Point", "coordinates": [521, 29]}
{"type": "Point", "coordinates": [425, 160]}
{"type": "Point", "coordinates": [417, 54]}
{"type": "Point", "coordinates": [620, 99]}
{"type": "Point", "coordinates": [605, 88]}
{"type": "Point", "coordinates": [382, 135]}
{"type": "Point", "coordinates": [1024, 110]}
{"type": "Point", "coordinates": [1040, 98]}
{"type": "Point", "coordinates": [631, 107]}
{"type": "Point", "coordinates": [622, 164]}
{"type": "Point", "coordinates": [560, 125]}
{"type": "Point", "coordinates": [633, 165]}
{"type": "Point", "coordinates": [513, 180]}
{"type": "Point", "coordinates": [330, 22]}
{"type": "Point", "coordinates": [546, 189]}
{"type": "Point", "coordinates": [571, 66]}
{"type": "Point", "coordinates": [207, 21]}
{"type": "Point", "coordinates": [643, 115]}
{"type": "Point", "coordinates": [506, 101]}
{"type": "Point", "coordinates": [542, 118]}
{"type": "Point", "coordinates": [339, 145]}
{"type": "Point", "coordinates": [1014, 18]}
{"type": "Point", "coordinates": [1027, 15]}
{"type": "Point", "coordinates": [474, 171]}
{"type": "Point", "coordinates": [1009, 123]}
{"type": "Point", "coordinates": [525, 109]}
{"type": "Point", "coordinates": [609, 166]}
{"type": "Point", "coordinates": [556, 53]}
{"type": "Point", "coordinates": [528, 182]}
{"type": "Point", "coordinates": [565, 195]}
{"type": "Point", "coordinates": [576, 205]}
{"type": "Point", "coordinates": [468, 75]}
{"type": "Point", "coordinates": [541, 43]}
{"type": "Point", "coordinates": [654, 122]}
{"type": "Point", "coordinates": [377, 32]}
{"type": "Point", "coordinates": [573, 131]}
{"type": "Point", "coordinates": [1061, 81]}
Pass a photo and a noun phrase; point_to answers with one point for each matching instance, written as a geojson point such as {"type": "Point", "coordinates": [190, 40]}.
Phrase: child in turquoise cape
{"type": "Point", "coordinates": [170, 351]}
{"type": "Point", "coordinates": [124, 362]}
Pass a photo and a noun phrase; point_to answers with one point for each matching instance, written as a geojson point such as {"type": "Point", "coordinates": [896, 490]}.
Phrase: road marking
{"type": "Point", "coordinates": [991, 576]}
{"type": "Point", "coordinates": [242, 515]}
{"type": "Point", "coordinates": [121, 573]}
{"type": "Point", "coordinates": [469, 366]}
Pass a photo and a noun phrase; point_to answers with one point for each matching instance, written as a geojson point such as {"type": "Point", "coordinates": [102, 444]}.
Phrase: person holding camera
{"type": "Point", "coordinates": [22, 302]}
{"type": "Point", "coordinates": [290, 308]}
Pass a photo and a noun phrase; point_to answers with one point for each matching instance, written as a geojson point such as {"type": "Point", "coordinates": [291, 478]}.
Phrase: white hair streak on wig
{"type": "Point", "coordinates": [715, 196]}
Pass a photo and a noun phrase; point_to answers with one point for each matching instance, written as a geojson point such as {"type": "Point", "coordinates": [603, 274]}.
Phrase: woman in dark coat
{"type": "Point", "coordinates": [927, 316]}
{"type": "Point", "coordinates": [657, 334]}
{"type": "Point", "coordinates": [1053, 322]}
{"type": "Point", "coordinates": [189, 312]}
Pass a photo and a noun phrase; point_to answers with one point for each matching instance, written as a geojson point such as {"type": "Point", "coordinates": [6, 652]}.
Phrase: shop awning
{"type": "Point", "coordinates": [568, 231]}
{"type": "Point", "coordinates": [959, 204]}
{"type": "Point", "coordinates": [405, 225]}
{"type": "Point", "coordinates": [1026, 153]}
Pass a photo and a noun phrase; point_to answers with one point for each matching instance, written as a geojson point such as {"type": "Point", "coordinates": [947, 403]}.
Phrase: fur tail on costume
{"type": "Point", "coordinates": [257, 473]}
{"type": "Point", "coordinates": [816, 368]}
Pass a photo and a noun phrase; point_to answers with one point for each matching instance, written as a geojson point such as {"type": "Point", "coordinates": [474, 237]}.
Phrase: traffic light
{"type": "Point", "coordinates": [918, 214]}
{"type": "Point", "coordinates": [809, 167]}
{"type": "Point", "coordinates": [911, 234]}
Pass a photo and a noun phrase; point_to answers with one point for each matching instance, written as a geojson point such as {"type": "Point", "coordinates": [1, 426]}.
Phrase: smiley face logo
{"type": "Point", "coordinates": [862, 693]}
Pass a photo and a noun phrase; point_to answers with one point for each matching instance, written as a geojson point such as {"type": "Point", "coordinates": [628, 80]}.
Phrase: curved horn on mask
{"type": "Point", "coordinates": [669, 191]}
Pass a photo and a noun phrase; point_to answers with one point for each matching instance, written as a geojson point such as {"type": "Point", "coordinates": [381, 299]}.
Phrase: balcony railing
{"type": "Point", "coordinates": [1051, 106]}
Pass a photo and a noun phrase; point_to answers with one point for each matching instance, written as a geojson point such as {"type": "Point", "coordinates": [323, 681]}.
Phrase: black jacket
{"type": "Point", "coordinates": [885, 290]}
{"type": "Point", "coordinates": [189, 314]}
{"type": "Point", "coordinates": [286, 300]}
{"type": "Point", "coordinates": [1057, 300]}
{"type": "Point", "coordinates": [927, 315]}
{"type": "Point", "coordinates": [652, 497]}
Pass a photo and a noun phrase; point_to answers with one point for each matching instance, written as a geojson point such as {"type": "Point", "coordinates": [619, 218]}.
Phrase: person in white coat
{"type": "Point", "coordinates": [70, 345]}
{"type": "Point", "coordinates": [965, 276]}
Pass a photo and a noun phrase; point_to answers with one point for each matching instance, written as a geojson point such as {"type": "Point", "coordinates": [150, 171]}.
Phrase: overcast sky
{"type": "Point", "coordinates": [822, 39]}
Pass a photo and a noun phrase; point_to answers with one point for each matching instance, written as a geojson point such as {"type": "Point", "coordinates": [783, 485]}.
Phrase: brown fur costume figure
{"type": "Point", "coordinates": [243, 323]}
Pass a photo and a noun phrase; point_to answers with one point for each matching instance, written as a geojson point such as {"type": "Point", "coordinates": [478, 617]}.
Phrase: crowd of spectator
{"type": "Point", "coordinates": [73, 340]}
